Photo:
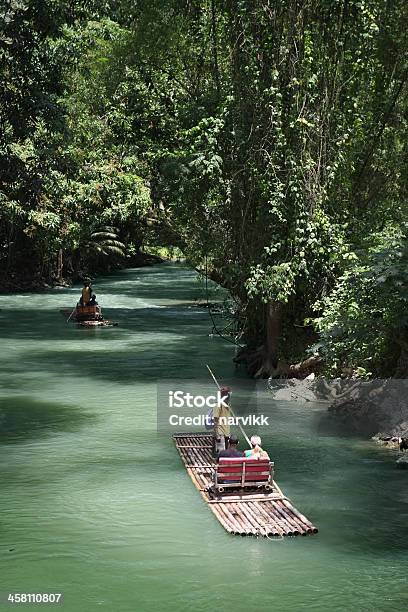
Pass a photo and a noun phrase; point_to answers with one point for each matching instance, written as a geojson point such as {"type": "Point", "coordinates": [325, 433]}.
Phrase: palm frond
{"type": "Point", "coordinates": [104, 241]}
{"type": "Point", "coordinates": [115, 243]}
{"type": "Point", "coordinates": [95, 235]}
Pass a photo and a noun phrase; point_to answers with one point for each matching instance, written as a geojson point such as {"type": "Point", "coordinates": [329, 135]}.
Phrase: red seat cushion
{"type": "Point", "coordinates": [256, 470]}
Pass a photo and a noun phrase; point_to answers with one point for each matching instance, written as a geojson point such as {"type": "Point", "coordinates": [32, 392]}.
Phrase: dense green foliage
{"type": "Point", "coordinates": [265, 139]}
{"type": "Point", "coordinates": [365, 319]}
{"type": "Point", "coordinates": [66, 168]}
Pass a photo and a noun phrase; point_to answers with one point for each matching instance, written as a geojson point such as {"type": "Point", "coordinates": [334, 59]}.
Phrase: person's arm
{"type": "Point", "coordinates": [216, 415]}
{"type": "Point", "coordinates": [264, 455]}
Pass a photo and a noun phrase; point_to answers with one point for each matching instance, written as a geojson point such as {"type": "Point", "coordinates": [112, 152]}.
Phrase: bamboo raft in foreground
{"type": "Point", "coordinates": [240, 512]}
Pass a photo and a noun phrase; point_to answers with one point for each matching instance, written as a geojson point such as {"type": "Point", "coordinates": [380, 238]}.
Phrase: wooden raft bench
{"type": "Point", "coordinates": [243, 473]}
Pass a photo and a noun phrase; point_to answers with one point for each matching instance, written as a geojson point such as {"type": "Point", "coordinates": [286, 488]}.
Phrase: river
{"type": "Point", "coordinates": [96, 504]}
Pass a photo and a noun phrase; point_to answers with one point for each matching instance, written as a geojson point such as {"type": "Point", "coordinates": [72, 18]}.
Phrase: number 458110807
{"type": "Point", "coordinates": [25, 598]}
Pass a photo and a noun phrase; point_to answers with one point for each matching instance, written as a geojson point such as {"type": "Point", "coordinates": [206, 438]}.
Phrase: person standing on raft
{"type": "Point", "coordinates": [86, 294]}
{"type": "Point", "coordinates": [222, 415]}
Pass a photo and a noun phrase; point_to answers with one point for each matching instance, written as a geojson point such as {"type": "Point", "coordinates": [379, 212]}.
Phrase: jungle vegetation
{"type": "Point", "coordinates": [265, 139]}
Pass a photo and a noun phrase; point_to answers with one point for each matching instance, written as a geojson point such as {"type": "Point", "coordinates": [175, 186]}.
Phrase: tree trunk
{"type": "Point", "coordinates": [273, 331]}
{"type": "Point", "coordinates": [273, 327]}
{"type": "Point", "coordinates": [60, 264]}
{"type": "Point", "coordinates": [214, 43]}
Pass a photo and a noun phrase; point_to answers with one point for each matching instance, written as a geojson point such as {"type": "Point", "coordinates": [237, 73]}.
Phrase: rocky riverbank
{"type": "Point", "coordinates": [377, 409]}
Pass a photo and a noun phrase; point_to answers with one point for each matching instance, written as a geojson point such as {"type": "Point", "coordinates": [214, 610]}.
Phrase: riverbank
{"type": "Point", "coordinates": [26, 281]}
{"type": "Point", "coordinates": [374, 409]}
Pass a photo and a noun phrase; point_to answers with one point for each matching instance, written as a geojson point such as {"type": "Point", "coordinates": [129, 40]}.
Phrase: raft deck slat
{"type": "Point", "coordinates": [243, 513]}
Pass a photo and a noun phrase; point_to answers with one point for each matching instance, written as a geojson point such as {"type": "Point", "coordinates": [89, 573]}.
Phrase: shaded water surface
{"type": "Point", "coordinates": [96, 504]}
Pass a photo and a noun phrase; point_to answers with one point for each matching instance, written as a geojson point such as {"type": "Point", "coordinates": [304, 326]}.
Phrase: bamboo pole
{"type": "Point", "coordinates": [71, 314]}
{"type": "Point", "coordinates": [220, 518]}
{"type": "Point", "coordinates": [268, 520]}
{"type": "Point", "coordinates": [252, 520]}
{"type": "Point", "coordinates": [240, 518]}
{"type": "Point", "coordinates": [273, 517]}
{"type": "Point", "coordinates": [301, 517]}
{"type": "Point", "coordinates": [293, 525]}
{"type": "Point", "coordinates": [229, 519]}
{"type": "Point", "coordinates": [260, 520]}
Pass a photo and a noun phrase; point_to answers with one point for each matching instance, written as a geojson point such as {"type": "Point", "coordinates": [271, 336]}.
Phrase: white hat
{"type": "Point", "coordinates": [256, 441]}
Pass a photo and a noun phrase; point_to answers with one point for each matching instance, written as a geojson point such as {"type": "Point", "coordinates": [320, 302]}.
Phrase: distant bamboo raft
{"type": "Point", "coordinates": [83, 321]}
{"type": "Point", "coordinates": [268, 514]}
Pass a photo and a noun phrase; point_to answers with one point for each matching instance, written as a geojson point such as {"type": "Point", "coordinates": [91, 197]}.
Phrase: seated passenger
{"type": "Point", "coordinates": [232, 450]}
{"type": "Point", "coordinates": [93, 301]}
{"type": "Point", "coordinates": [256, 452]}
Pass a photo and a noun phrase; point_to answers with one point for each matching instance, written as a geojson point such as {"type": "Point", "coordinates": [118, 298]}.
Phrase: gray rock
{"type": "Point", "coordinates": [402, 462]}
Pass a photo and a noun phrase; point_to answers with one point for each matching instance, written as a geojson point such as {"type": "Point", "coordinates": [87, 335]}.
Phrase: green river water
{"type": "Point", "coordinates": [97, 505]}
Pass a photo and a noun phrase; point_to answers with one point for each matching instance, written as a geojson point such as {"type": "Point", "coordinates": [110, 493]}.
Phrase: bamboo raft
{"type": "Point", "coordinates": [239, 512]}
{"type": "Point", "coordinates": [88, 317]}
{"type": "Point", "coordinates": [101, 323]}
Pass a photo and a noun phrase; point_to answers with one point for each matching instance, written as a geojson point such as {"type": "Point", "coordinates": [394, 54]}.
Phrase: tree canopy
{"type": "Point", "coordinates": [267, 140]}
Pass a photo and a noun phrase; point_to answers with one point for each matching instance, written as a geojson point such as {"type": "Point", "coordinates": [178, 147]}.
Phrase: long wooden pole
{"type": "Point", "coordinates": [239, 425]}
{"type": "Point", "coordinates": [71, 314]}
